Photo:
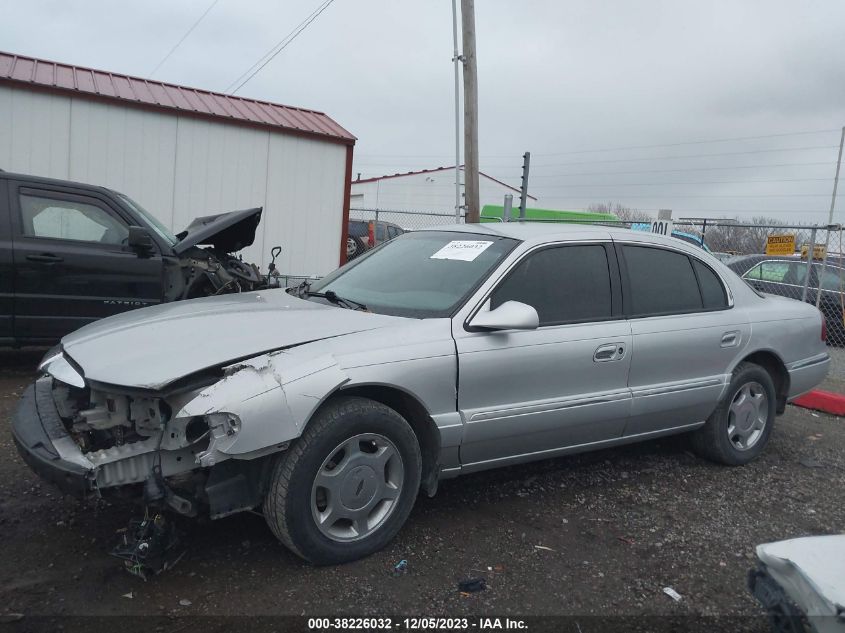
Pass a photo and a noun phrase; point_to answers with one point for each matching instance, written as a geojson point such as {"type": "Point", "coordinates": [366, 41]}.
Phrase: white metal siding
{"type": "Point", "coordinates": [180, 167]}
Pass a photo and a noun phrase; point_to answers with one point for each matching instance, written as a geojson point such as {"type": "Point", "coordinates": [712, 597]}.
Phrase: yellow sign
{"type": "Point", "coordinates": [780, 244]}
{"type": "Point", "coordinates": [818, 251]}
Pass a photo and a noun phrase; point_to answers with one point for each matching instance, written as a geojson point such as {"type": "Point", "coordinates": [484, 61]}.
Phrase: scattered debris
{"type": "Point", "coordinates": [184, 602]}
{"type": "Point", "coordinates": [472, 585]}
{"type": "Point", "coordinates": [149, 546]}
{"type": "Point", "coordinates": [129, 595]}
{"type": "Point", "coordinates": [543, 547]}
{"type": "Point", "coordinates": [672, 594]}
{"type": "Point", "coordinates": [400, 568]}
{"type": "Point", "coordinates": [625, 539]}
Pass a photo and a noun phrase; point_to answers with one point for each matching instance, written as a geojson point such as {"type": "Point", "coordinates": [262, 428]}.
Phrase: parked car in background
{"type": "Point", "coordinates": [71, 253]}
{"type": "Point", "coordinates": [446, 351]}
{"type": "Point", "coordinates": [365, 234]}
{"type": "Point", "coordinates": [787, 275]}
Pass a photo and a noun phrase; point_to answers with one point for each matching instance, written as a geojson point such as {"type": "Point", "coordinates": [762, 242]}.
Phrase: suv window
{"type": "Point", "coordinates": [778, 272]}
{"type": "Point", "coordinates": [358, 228]}
{"type": "Point", "coordinates": [563, 283]}
{"type": "Point", "coordinates": [69, 220]}
{"type": "Point", "coordinates": [661, 281]}
{"type": "Point", "coordinates": [712, 291]}
{"type": "Point", "coordinates": [380, 233]}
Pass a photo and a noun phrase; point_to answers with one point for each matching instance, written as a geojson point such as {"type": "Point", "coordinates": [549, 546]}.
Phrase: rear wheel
{"type": "Point", "coordinates": [739, 428]}
{"type": "Point", "coordinates": [354, 247]}
{"type": "Point", "coordinates": [346, 486]}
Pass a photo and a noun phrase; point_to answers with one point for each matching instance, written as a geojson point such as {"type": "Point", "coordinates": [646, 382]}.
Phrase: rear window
{"type": "Point", "coordinates": [661, 281]}
{"type": "Point", "coordinates": [712, 291]}
{"type": "Point", "coordinates": [359, 229]}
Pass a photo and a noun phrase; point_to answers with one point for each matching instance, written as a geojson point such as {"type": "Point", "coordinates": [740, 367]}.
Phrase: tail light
{"type": "Point", "coordinates": [824, 329]}
{"type": "Point", "coordinates": [371, 234]}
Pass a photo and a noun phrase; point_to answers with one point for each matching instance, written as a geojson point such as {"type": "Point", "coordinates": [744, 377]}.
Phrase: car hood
{"type": "Point", "coordinates": [226, 232]}
{"type": "Point", "coordinates": [153, 347]}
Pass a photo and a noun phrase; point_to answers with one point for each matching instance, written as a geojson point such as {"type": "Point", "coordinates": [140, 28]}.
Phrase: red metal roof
{"type": "Point", "coordinates": [433, 169]}
{"type": "Point", "coordinates": [167, 97]}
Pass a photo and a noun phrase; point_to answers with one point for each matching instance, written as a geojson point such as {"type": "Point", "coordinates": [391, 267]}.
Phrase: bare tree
{"type": "Point", "coordinates": [725, 236]}
{"type": "Point", "coordinates": [626, 214]}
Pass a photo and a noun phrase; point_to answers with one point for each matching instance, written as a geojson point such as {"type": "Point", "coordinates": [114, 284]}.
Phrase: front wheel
{"type": "Point", "coordinates": [739, 429]}
{"type": "Point", "coordinates": [346, 486]}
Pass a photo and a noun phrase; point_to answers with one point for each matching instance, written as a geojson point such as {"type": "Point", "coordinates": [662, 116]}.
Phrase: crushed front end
{"type": "Point", "coordinates": [94, 441]}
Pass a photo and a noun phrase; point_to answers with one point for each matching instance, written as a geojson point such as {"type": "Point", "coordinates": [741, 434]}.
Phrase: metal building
{"type": "Point", "coordinates": [183, 152]}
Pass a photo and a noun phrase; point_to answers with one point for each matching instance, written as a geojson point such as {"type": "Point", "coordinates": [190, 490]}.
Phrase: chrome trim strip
{"type": "Point", "coordinates": [555, 405]}
{"type": "Point", "coordinates": [678, 387]}
{"type": "Point", "coordinates": [808, 362]}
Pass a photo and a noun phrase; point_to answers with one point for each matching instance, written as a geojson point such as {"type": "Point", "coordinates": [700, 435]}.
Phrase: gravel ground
{"type": "Point", "coordinates": [595, 534]}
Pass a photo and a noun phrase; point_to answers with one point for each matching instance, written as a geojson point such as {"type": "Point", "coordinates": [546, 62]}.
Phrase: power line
{"type": "Point", "coordinates": [667, 171]}
{"type": "Point", "coordinates": [700, 142]}
{"type": "Point", "coordinates": [715, 155]}
{"type": "Point", "coordinates": [704, 195]}
{"type": "Point", "coordinates": [691, 182]}
{"type": "Point", "coordinates": [184, 37]}
{"type": "Point", "coordinates": [620, 148]}
{"type": "Point", "coordinates": [278, 48]}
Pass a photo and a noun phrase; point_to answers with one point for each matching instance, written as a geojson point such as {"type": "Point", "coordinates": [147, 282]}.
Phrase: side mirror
{"type": "Point", "coordinates": [511, 315]}
{"type": "Point", "coordinates": [139, 240]}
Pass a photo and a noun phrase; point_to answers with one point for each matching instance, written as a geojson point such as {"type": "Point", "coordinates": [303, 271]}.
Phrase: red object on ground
{"type": "Point", "coordinates": [827, 401]}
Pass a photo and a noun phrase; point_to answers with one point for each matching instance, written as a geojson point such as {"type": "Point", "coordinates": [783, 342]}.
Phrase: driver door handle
{"type": "Point", "coordinates": [609, 352]}
{"type": "Point", "coordinates": [45, 258]}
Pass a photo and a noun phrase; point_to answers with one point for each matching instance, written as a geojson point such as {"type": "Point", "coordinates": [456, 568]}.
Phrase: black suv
{"type": "Point", "coordinates": [361, 239]}
{"type": "Point", "coordinates": [72, 253]}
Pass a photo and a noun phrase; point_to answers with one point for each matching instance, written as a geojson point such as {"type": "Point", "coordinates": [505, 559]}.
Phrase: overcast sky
{"type": "Point", "coordinates": [556, 77]}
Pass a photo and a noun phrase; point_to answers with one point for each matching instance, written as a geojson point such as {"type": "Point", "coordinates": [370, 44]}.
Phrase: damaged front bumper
{"type": "Point", "coordinates": [46, 446]}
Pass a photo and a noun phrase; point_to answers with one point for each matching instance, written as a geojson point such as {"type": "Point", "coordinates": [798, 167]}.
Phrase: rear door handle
{"type": "Point", "coordinates": [609, 352]}
{"type": "Point", "coordinates": [45, 258]}
{"type": "Point", "coordinates": [730, 339]}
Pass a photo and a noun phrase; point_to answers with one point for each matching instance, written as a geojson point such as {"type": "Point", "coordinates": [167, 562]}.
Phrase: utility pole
{"type": "Point", "coordinates": [830, 226]}
{"type": "Point", "coordinates": [470, 112]}
{"type": "Point", "coordinates": [523, 195]}
{"type": "Point", "coordinates": [457, 58]}
{"type": "Point", "coordinates": [836, 178]}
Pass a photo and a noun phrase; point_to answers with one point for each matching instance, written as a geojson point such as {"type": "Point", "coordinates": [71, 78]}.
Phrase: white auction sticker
{"type": "Point", "coordinates": [464, 250]}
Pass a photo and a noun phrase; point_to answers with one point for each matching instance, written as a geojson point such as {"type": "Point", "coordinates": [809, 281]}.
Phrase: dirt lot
{"type": "Point", "coordinates": [615, 526]}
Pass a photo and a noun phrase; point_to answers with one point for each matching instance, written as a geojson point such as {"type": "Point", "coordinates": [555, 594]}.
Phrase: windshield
{"type": "Point", "coordinates": [424, 274]}
{"type": "Point", "coordinates": [162, 231]}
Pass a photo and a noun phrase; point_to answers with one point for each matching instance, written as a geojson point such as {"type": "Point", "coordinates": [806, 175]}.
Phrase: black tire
{"type": "Point", "coordinates": [287, 506]}
{"type": "Point", "coordinates": [359, 247]}
{"type": "Point", "coordinates": [712, 442]}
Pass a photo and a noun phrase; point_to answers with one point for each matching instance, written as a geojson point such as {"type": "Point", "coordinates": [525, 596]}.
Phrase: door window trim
{"type": "Point", "coordinates": [626, 283]}
{"type": "Point", "coordinates": [22, 189]}
{"type": "Point", "coordinates": [613, 270]}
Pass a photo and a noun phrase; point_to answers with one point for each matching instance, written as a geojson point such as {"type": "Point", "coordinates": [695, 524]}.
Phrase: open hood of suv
{"type": "Point", "coordinates": [226, 232]}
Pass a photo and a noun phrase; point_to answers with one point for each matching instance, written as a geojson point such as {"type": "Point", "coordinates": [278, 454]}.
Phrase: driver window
{"type": "Point", "coordinates": [564, 284]}
{"type": "Point", "coordinates": [69, 220]}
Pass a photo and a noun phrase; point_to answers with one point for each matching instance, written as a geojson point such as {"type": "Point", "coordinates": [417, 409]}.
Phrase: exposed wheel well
{"type": "Point", "coordinates": [777, 370]}
{"type": "Point", "coordinates": [416, 415]}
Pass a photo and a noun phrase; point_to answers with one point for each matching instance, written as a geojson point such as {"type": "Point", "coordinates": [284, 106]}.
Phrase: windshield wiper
{"type": "Point", "coordinates": [303, 290]}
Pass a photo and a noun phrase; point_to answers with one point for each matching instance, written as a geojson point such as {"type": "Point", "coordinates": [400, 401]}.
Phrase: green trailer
{"type": "Point", "coordinates": [495, 213]}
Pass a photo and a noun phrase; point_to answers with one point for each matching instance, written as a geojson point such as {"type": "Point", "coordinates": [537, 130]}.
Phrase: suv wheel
{"type": "Point", "coordinates": [739, 428]}
{"type": "Point", "coordinates": [354, 247]}
{"type": "Point", "coordinates": [345, 488]}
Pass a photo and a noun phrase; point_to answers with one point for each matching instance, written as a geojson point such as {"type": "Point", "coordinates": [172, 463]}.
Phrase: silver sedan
{"type": "Point", "coordinates": [442, 352]}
